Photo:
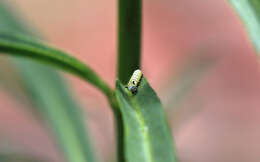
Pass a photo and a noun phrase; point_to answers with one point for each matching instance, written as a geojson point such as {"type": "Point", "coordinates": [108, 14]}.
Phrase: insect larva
{"type": "Point", "coordinates": [134, 81]}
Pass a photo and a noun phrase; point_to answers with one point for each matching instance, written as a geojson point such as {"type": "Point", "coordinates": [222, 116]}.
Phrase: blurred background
{"type": "Point", "coordinates": [196, 55]}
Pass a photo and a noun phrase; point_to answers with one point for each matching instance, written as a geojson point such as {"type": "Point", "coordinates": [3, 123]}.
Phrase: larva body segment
{"type": "Point", "coordinates": [134, 81]}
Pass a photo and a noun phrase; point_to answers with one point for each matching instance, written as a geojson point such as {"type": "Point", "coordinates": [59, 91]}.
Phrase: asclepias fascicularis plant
{"type": "Point", "coordinates": [142, 131]}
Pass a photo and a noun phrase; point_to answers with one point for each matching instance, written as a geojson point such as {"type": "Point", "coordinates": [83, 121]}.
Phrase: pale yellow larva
{"type": "Point", "coordinates": [134, 81]}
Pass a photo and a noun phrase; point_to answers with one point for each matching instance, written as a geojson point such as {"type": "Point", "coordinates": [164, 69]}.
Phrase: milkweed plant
{"type": "Point", "coordinates": [141, 127]}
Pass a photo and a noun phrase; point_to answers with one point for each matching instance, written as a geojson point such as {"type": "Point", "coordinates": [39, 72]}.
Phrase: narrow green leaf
{"type": "Point", "coordinates": [61, 114]}
{"type": "Point", "coordinates": [9, 81]}
{"type": "Point", "coordinates": [14, 157]}
{"type": "Point", "coordinates": [249, 11]}
{"type": "Point", "coordinates": [27, 47]}
{"type": "Point", "coordinates": [179, 88]}
{"type": "Point", "coordinates": [129, 38]}
{"type": "Point", "coordinates": [147, 135]}
{"type": "Point", "coordinates": [49, 94]}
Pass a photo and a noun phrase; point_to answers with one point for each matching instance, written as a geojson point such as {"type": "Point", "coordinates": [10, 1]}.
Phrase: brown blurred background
{"type": "Point", "coordinates": [195, 54]}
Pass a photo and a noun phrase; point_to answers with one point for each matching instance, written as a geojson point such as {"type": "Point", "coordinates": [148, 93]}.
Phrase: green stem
{"type": "Point", "coordinates": [129, 38]}
{"type": "Point", "coordinates": [129, 55]}
{"type": "Point", "coordinates": [119, 135]}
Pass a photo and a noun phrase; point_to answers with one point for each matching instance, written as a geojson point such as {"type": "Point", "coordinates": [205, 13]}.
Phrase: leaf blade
{"type": "Point", "coordinates": [48, 105]}
{"type": "Point", "coordinates": [62, 115]}
{"type": "Point", "coordinates": [249, 12]}
{"type": "Point", "coordinates": [147, 135]}
{"type": "Point", "coordinates": [14, 157]}
{"type": "Point", "coordinates": [23, 46]}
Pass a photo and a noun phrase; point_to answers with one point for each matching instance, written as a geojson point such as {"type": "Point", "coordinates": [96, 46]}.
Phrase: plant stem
{"type": "Point", "coordinates": [129, 38]}
{"type": "Point", "coordinates": [129, 55]}
{"type": "Point", "coordinates": [119, 136]}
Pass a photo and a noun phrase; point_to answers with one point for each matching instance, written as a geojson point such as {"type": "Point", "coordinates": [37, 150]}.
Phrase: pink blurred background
{"type": "Point", "coordinates": [217, 120]}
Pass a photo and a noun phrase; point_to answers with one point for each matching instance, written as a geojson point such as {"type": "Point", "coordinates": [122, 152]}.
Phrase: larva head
{"type": "Point", "coordinates": [133, 89]}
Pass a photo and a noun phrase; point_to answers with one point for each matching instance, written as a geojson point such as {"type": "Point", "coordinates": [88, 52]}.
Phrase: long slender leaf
{"type": "Point", "coordinates": [9, 81]}
{"type": "Point", "coordinates": [14, 157]}
{"type": "Point", "coordinates": [147, 136]}
{"type": "Point", "coordinates": [24, 47]}
{"type": "Point", "coordinates": [129, 38]}
{"type": "Point", "coordinates": [181, 85]}
{"type": "Point", "coordinates": [249, 11]}
{"type": "Point", "coordinates": [49, 94]}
